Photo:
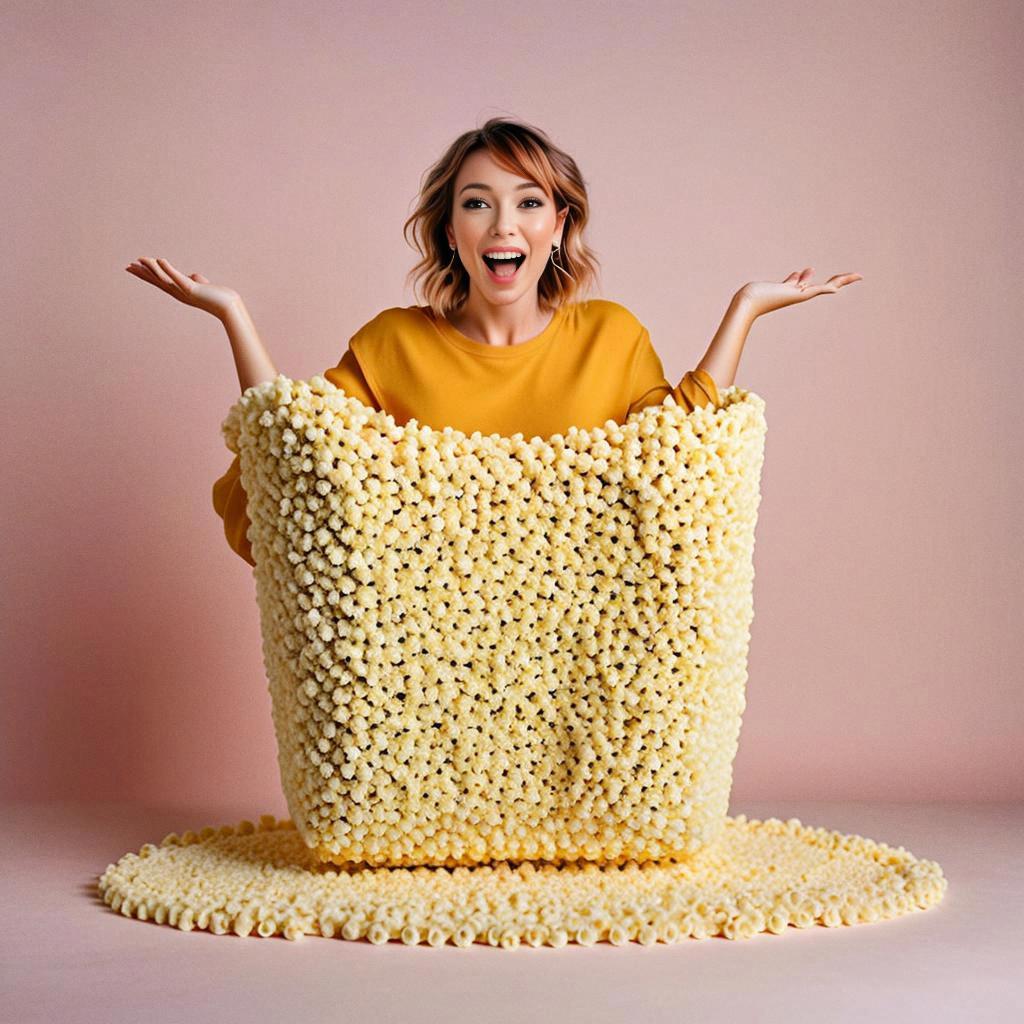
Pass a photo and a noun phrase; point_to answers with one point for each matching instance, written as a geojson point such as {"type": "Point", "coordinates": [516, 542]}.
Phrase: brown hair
{"type": "Point", "coordinates": [521, 149]}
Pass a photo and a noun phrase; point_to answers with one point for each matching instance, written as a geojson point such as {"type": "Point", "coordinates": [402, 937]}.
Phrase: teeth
{"type": "Point", "coordinates": [503, 255]}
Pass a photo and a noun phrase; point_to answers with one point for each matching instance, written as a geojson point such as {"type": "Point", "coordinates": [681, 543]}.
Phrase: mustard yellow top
{"type": "Point", "coordinates": [593, 362]}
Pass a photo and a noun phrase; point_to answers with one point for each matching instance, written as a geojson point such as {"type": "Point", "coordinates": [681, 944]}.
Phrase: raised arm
{"type": "Point", "coordinates": [755, 299]}
{"type": "Point", "coordinates": [723, 355]}
{"type": "Point", "coordinates": [252, 361]}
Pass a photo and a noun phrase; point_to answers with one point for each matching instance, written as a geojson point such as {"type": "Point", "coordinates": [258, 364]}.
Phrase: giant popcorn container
{"type": "Point", "coordinates": [486, 648]}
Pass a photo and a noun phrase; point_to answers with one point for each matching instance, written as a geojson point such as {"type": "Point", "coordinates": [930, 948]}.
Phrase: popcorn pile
{"type": "Point", "coordinates": [506, 678]}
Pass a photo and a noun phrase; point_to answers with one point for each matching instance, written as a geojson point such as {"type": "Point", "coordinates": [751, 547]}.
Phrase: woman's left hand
{"type": "Point", "coordinates": [764, 296]}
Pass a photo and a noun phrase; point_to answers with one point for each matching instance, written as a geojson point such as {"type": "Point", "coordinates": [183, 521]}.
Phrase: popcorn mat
{"type": "Point", "coordinates": [507, 678]}
{"type": "Point", "coordinates": [260, 879]}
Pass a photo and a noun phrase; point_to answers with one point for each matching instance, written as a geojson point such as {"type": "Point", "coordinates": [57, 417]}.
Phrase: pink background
{"type": "Point", "coordinates": [279, 148]}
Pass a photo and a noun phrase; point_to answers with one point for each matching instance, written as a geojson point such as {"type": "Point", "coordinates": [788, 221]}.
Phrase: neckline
{"type": "Point", "coordinates": [480, 348]}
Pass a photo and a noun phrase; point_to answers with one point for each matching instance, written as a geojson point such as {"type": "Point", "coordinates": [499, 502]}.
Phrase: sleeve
{"type": "Point", "coordinates": [229, 498]}
{"type": "Point", "coordinates": [650, 386]}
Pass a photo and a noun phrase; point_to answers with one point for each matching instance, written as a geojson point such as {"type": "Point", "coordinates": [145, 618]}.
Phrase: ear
{"type": "Point", "coordinates": [560, 224]}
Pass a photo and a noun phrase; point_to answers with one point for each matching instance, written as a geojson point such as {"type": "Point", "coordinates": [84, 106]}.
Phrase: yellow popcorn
{"type": "Point", "coordinates": [507, 677]}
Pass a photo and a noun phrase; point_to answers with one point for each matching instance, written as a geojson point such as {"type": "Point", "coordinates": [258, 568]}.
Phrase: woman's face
{"type": "Point", "coordinates": [494, 209]}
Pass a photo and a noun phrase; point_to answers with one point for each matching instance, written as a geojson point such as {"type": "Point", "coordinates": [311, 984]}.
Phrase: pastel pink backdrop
{"type": "Point", "coordinates": [279, 148]}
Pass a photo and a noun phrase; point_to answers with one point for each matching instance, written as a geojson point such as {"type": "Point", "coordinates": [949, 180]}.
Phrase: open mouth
{"type": "Point", "coordinates": [504, 269]}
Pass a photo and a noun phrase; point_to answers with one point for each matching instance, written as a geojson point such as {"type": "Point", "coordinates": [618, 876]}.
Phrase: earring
{"type": "Point", "coordinates": [555, 263]}
{"type": "Point", "coordinates": [452, 247]}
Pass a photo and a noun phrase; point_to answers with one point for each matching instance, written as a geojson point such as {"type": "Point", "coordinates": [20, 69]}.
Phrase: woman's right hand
{"type": "Point", "coordinates": [193, 290]}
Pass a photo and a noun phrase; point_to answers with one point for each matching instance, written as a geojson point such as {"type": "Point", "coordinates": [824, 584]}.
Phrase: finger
{"type": "Point", "coordinates": [157, 271]}
{"type": "Point", "coordinates": [176, 275]}
{"type": "Point", "coordinates": [140, 270]}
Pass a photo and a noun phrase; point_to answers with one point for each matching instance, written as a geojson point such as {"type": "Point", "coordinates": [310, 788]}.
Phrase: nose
{"type": "Point", "coordinates": [503, 225]}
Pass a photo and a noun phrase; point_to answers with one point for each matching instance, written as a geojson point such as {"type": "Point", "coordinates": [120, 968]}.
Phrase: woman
{"type": "Point", "coordinates": [505, 343]}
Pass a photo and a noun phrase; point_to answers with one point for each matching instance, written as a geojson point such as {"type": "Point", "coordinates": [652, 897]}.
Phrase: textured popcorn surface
{"type": "Point", "coordinates": [482, 647]}
{"type": "Point", "coordinates": [261, 879]}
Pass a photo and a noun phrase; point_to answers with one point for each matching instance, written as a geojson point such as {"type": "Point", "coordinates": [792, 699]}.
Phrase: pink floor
{"type": "Point", "coordinates": [67, 957]}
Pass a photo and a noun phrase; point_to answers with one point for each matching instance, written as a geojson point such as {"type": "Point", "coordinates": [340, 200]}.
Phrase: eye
{"type": "Point", "coordinates": [466, 205]}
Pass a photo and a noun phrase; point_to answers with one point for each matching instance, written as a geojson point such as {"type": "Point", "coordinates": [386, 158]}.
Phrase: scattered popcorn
{"type": "Point", "coordinates": [507, 678]}
{"type": "Point", "coordinates": [759, 876]}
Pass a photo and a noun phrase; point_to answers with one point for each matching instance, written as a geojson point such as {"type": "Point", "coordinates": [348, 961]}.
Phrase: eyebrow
{"type": "Point", "coordinates": [487, 188]}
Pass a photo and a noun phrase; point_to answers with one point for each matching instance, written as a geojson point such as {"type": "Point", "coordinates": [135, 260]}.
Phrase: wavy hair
{"type": "Point", "coordinates": [522, 149]}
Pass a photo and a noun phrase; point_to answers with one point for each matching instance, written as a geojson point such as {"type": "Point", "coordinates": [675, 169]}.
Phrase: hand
{"type": "Point", "coordinates": [766, 296]}
{"type": "Point", "coordinates": [194, 290]}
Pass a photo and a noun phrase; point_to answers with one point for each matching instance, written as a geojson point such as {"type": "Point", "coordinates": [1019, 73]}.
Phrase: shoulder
{"type": "Point", "coordinates": [610, 329]}
{"type": "Point", "coordinates": [391, 323]}
{"type": "Point", "coordinates": [610, 317]}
